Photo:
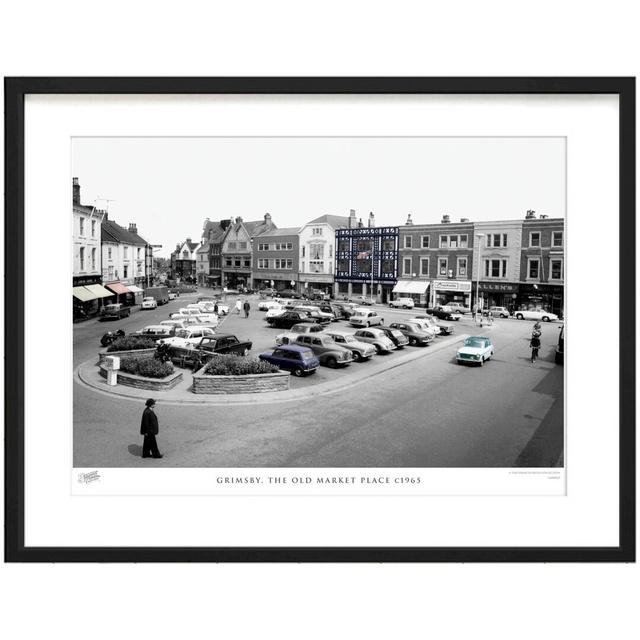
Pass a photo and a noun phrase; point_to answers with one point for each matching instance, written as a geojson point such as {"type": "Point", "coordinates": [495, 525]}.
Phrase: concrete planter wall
{"type": "Point", "coordinates": [139, 382]}
{"type": "Point", "coordinates": [135, 354]}
{"type": "Point", "coordinates": [255, 383]}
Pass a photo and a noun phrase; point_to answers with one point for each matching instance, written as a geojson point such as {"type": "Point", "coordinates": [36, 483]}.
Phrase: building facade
{"type": "Point", "coordinates": [435, 262]}
{"type": "Point", "coordinates": [202, 263]}
{"type": "Point", "coordinates": [183, 261]}
{"type": "Point", "coordinates": [275, 259]}
{"type": "Point", "coordinates": [213, 232]}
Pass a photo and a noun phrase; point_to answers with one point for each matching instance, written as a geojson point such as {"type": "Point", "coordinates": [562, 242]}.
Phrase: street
{"type": "Point", "coordinates": [430, 412]}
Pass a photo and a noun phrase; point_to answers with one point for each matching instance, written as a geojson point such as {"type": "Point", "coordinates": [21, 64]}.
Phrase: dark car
{"type": "Point", "coordinates": [287, 319]}
{"type": "Point", "coordinates": [345, 308]}
{"type": "Point", "coordinates": [395, 335]}
{"type": "Point", "coordinates": [440, 313]}
{"type": "Point", "coordinates": [413, 332]}
{"type": "Point", "coordinates": [207, 348]}
{"type": "Point", "coordinates": [290, 293]}
{"type": "Point", "coordinates": [559, 357]}
{"type": "Point", "coordinates": [292, 357]}
{"type": "Point", "coordinates": [114, 312]}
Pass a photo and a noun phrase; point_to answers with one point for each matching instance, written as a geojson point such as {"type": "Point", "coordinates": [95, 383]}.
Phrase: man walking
{"type": "Point", "coordinates": [149, 429]}
{"type": "Point", "coordinates": [246, 306]}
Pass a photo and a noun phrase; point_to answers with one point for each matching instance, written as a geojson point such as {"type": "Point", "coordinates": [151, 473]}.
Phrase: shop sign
{"type": "Point", "coordinates": [452, 285]}
{"type": "Point", "coordinates": [499, 286]}
{"type": "Point", "coordinates": [79, 281]}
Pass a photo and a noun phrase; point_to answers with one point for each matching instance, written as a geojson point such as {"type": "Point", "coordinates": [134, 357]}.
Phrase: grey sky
{"type": "Point", "coordinates": [168, 186]}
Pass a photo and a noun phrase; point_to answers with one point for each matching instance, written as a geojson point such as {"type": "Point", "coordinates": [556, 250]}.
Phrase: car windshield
{"type": "Point", "coordinates": [474, 342]}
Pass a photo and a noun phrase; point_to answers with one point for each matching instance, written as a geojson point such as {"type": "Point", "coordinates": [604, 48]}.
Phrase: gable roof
{"type": "Point", "coordinates": [333, 221]}
{"type": "Point", "coordinates": [204, 247]}
{"type": "Point", "coordinates": [115, 233]}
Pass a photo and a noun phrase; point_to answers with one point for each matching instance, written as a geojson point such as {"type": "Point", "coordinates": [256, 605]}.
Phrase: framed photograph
{"type": "Point", "coordinates": [320, 319]}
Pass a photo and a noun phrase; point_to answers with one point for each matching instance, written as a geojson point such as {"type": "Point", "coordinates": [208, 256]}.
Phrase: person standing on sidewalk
{"type": "Point", "coordinates": [246, 306]}
{"type": "Point", "coordinates": [238, 306]}
{"type": "Point", "coordinates": [149, 429]}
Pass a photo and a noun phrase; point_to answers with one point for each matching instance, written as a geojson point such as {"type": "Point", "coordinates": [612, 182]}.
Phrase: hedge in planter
{"type": "Point", "coordinates": [131, 343]}
{"type": "Point", "coordinates": [234, 365]}
{"type": "Point", "coordinates": [149, 367]}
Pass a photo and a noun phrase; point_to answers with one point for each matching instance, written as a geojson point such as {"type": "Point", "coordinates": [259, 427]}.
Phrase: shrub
{"type": "Point", "coordinates": [234, 365]}
{"type": "Point", "coordinates": [131, 343]}
{"type": "Point", "coordinates": [148, 367]}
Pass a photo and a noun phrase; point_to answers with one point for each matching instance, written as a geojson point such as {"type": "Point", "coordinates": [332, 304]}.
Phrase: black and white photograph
{"type": "Point", "coordinates": [319, 302]}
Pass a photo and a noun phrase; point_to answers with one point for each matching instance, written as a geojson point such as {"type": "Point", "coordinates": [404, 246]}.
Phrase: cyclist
{"type": "Point", "coordinates": [535, 345]}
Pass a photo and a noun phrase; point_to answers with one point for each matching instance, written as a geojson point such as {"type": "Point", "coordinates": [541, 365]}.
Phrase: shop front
{"type": "Point", "coordinates": [498, 294]}
{"type": "Point", "coordinates": [546, 296]}
{"type": "Point", "coordinates": [445, 292]}
{"type": "Point", "coordinates": [414, 289]}
{"type": "Point", "coordinates": [123, 294]}
{"type": "Point", "coordinates": [88, 298]}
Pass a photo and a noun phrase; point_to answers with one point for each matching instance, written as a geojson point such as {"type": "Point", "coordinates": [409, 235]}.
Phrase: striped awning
{"type": "Point", "coordinates": [117, 287]}
{"type": "Point", "coordinates": [83, 294]}
{"type": "Point", "coordinates": [99, 291]}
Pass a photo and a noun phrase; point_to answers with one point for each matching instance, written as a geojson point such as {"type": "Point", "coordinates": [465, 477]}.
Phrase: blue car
{"type": "Point", "coordinates": [292, 357]}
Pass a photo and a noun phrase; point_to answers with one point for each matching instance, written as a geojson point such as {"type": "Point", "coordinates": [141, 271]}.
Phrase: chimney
{"type": "Point", "coordinates": [531, 215]}
{"type": "Point", "coordinates": [352, 218]}
{"type": "Point", "coordinates": [238, 220]}
{"type": "Point", "coordinates": [267, 217]}
{"type": "Point", "coordinates": [225, 224]}
{"type": "Point", "coordinates": [543, 216]}
{"type": "Point", "coordinates": [360, 225]}
{"type": "Point", "coordinates": [76, 191]}
{"type": "Point", "coordinates": [133, 227]}
{"type": "Point", "coordinates": [464, 219]}
{"type": "Point", "coordinates": [409, 221]}
{"type": "Point", "coordinates": [188, 240]}
{"type": "Point", "coordinates": [372, 220]}
{"type": "Point", "coordinates": [446, 218]}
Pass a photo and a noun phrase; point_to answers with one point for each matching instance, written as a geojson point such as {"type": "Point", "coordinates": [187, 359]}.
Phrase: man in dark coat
{"type": "Point", "coordinates": [149, 429]}
{"type": "Point", "coordinates": [246, 306]}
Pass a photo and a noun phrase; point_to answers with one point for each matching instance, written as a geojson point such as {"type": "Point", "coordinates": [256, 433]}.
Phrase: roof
{"type": "Point", "coordinates": [292, 347]}
{"type": "Point", "coordinates": [204, 248]}
{"type": "Point", "coordinates": [333, 221]}
{"type": "Point", "coordinates": [258, 227]}
{"type": "Point", "coordinates": [289, 231]}
{"type": "Point", "coordinates": [115, 233]}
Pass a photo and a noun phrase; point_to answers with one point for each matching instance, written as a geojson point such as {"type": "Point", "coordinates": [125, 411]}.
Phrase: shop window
{"type": "Point", "coordinates": [534, 239]}
{"type": "Point", "coordinates": [424, 266]}
{"type": "Point", "coordinates": [408, 242]}
{"type": "Point", "coordinates": [534, 269]}
{"type": "Point", "coordinates": [406, 266]}
{"type": "Point", "coordinates": [556, 269]}
{"type": "Point", "coordinates": [557, 239]}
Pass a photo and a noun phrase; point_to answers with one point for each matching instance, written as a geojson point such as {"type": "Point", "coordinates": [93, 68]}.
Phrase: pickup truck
{"type": "Point", "coordinates": [198, 354]}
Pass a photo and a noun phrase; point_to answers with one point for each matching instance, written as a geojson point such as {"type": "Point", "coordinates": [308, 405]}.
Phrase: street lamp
{"type": "Point", "coordinates": [479, 236]}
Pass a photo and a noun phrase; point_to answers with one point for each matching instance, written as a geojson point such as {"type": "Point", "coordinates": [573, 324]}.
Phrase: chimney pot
{"type": "Point", "coordinates": [446, 218]}
{"type": "Point", "coordinates": [76, 191]}
{"type": "Point", "coordinates": [464, 219]}
{"type": "Point", "coordinates": [360, 223]}
{"type": "Point", "coordinates": [409, 220]}
{"type": "Point", "coordinates": [531, 214]}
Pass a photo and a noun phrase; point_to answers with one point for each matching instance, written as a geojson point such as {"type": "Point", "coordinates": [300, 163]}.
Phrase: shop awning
{"type": "Point", "coordinates": [83, 294]}
{"type": "Point", "coordinates": [415, 287]}
{"type": "Point", "coordinates": [134, 289]}
{"type": "Point", "coordinates": [117, 287]}
{"type": "Point", "coordinates": [99, 291]}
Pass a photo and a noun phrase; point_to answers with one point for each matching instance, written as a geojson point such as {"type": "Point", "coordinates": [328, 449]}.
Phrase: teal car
{"type": "Point", "coordinates": [475, 350]}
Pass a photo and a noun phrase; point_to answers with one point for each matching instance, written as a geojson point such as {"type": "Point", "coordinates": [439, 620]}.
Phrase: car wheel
{"type": "Point", "coordinates": [297, 372]}
{"type": "Point", "coordinates": [367, 325]}
{"type": "Point", "coordinates": [332, 362]}
{"type": "Point", "coordinates": [482, 362]}
{"type": "Point", "coordinates": [519, 316]}
{"type": "Point", "coordinates": [378, 348]}
{"type": "Point", "coordinates": [545, 319]}
{"type": "Point", "coordinates": [357, 356]}
{"type": "Point", "coordinates": [412, 342]}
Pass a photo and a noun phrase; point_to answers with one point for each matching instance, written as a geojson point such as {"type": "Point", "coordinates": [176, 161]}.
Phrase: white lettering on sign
{"type": "Point", "coordinates": [452, 285]}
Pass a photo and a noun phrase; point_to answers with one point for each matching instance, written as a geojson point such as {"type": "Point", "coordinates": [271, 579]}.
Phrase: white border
{"type": "Point", "coordinates": [587, 516]}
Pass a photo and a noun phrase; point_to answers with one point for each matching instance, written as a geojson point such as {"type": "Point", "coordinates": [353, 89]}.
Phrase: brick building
{"type": "Point", "coordinates": [275, 259]}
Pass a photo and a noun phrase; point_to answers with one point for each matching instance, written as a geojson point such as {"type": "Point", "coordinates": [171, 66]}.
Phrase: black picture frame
{"type": "Point", "coordinates": [15, 91]}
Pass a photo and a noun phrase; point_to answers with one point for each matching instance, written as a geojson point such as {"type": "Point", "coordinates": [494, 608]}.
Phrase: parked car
{"type": "Point", "coordinates": [185, 337]}
{"type": "Point", "coordinates": [346, 309]}
{"type": "Point", "coordinates": [535, 314]}
{"type": "Point", "coordinates": [442, 314]}
{"type": "Point", "coordinates": [315, 312]}
{"type": "Point", "coordinates": [172, 295]}
{"type": "Point", "coordinates": [425, 326]}
{"type": "Point", "coordinates": [326, 349]}
{"type": "Point", "coordinates": [377, 338]}
{"type": "Point", "coordinates": [361, 350]}
{"type": "Point", "coordinates": [404, 303]}
{"type": "Point", "coordinates": [156, 331]}
{"type": "Point", "coordinates": [292, 357]}
{"type": "Point", "coordinates": [176, 324]}
{"type": "Point", "coordinates": [475, 349]}
{"type": "Point", "coordinates": [444, 328]}
{"type": "Point", "coordinates": [114, 311]}
{"type": "Point", "coordinates": [186, 311]}
{"type": "Point", "coordinates": [196, 355]}
{"type": "Point", "coordinates": [273, 312]}
{"type": "Point", "coordinates": [397, 337]}
{"type": "Point", "coordinates": [362, 300]}
{"type": "Point", "coordinates": [414, 333]}
{"type": "Point", "coordinates": [499, 312]}
{"type": "Point", "coordinates": [333, 311]}
{"type": "Point", "coordinates": [452, 307]}
{"type": "Point", "coordinates": [296, 330]}
{"type": "Point", "coordinates": [318, 294]}
{"type": "Point", "coordinates": [559, 356]}
{"type": "Point", "coordinates": [365, 318]}
{"type": "Point", "coordinates": [149, 303]}
{"type": "Point", "coordinates": [287, 319]}
{"type": "Point", "coordinates": [265, 305]}
{"type": "Point", "coordinates": [289, 293]}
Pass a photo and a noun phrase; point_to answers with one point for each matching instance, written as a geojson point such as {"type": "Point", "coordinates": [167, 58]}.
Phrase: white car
{"type": "Point", "coordinates": [404, 303]}
{"type": "Point", "coordinates": [425, 326]}
{"type": "Point", "coordinates": [186, 311]}
{"type": "Point", "coordinates": [361, 350]}
{"type": "Point", "coordinates": [172, 296]}
{"type": "Point", "coordinates": [298, 330]}
{"type": "Point", "coordinates": [149, 303]}
{"type": "Point", "coordinates": [265, 305]}
{"type": "Point", "coordinates": [501, 312]}
{"type": "Point", "coordinates": [274, 311]}
{"type": "Point", "coordinates": [188, 337]}
{"type": "Point", "coordinates": [365, 317]}
{"type": "Point", "coordinates": [476, 350]}
{"type": "Point", "coordinates": [535, 314]}
{"type": "Point", "coordinates": [177, 323]}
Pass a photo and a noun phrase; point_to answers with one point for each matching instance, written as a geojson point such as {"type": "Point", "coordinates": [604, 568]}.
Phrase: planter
{"type": "Point", "coordinates": [134, 354]}
{"type": "Point", "coordinates": [254, 383]}
{"type": "Point", "coordinates": [139, 382]}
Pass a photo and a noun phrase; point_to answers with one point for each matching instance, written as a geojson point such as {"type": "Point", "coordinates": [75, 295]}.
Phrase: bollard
{"type": "Point", "coordinates": [112, 364]}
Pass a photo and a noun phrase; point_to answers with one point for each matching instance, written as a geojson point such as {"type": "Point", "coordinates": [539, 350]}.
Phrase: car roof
{"type": "Point", "coordinates": [155, 326]}
{"type": "Point", "coordinates": [293, 347]}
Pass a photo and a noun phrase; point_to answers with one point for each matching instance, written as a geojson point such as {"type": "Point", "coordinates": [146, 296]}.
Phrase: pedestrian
{"type": "Point", "coordinates": [149, 429]}
{"type": "Point", "coordinates": [246, 306]}
{"type": "Point", "coordinates": [535, 345]}
{"type": "Point", "coordinates": [215, 307]}
{"type": "Point", "coordinates": [490, 317]}
{"type": "Point", "coordinates": [238, 306]}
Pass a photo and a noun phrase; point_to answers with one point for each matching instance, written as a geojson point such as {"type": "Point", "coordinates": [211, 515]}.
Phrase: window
{"type": "Point", "coordinates": [284, 263]}
{"type": "Point", "coordinates": [331, 251]}
{"type": "Point", "coordinates": [406, 265]}
{"type": "Point", "coordinates": [388, 244]}
{"type": "Point", "coordinates": [232, 245]}
{"type": "Point", "coordinates": [237, 262]}
{"type": "Point", "coordinates": [407, 242]}
{"type": "Point", "coordinates": [263, 263]}
{"type": "Point", "coordinates": [316, 231]}
{"type": "Point", "coordinates": [453, 242]}
{"type": "Point", "coordinates": [316, 251]}
{"type": "Point", "coordinates": [126, 271]}
{"type": "Point", "coordinates": [424, 265]}
{"type": "Point", "coordinates": [247, 262]}
{"type": "Point", "coordinates": [303, 248]}
{"type": "Point", "coordinates": [533, 271]}
{"type": "Point", "coordinates": [464, 241]}
{"type": "Point", "coordinates": [81, 258]}
{"type": "Point", "coordinates": [556, 269]}
{"type": "Point", "coordinates": [343, 245]}
{"type": "Point", "coordinates": [93, 259]}
{"type": "Point", "coordinates": [557, 239]}
{"type": "Point", "coordinates": [534, 239]}
{"type": "Point", "coordinates": [228, 262]}
{"type": "Point", "coordinates": [496, 240]}
{"type": "Point", "coordinates": [126, 252]}
{"type": "Point", "coordinates": [81, 226]}
{"type": "Point", "coordinates": [283, 246]}
{"type": "Point", "coordinates": [388, 267]}
{"type": "Point", "coordinates": [443, 241]}
{"type": "Point", "coordinates": [242, 245]}
{"type": "Point", "coordinates": [109, 253]}
{"type": "Point", "coordinates": [424, 242]}
{"type": "Point", "coordinates": [93, 228]}
{"type": "Point", "coordinates": [343, 266]}
{"type": "Point", "coordinates": [495, 268]}
{"type": "Point", "coordinates": [263, 247]}
{"type": "Point", "coordinates": [461, 267]}
{"type": "Point", "coordinates": [139, 254]}
{"type": "Point", "coordinates": [443, 265]}
{"type": "Point", "coordinates": [303, 271]}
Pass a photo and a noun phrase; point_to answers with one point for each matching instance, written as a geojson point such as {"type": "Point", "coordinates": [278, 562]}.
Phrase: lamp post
{"type": "Point", "coordinates": [479, 236]}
